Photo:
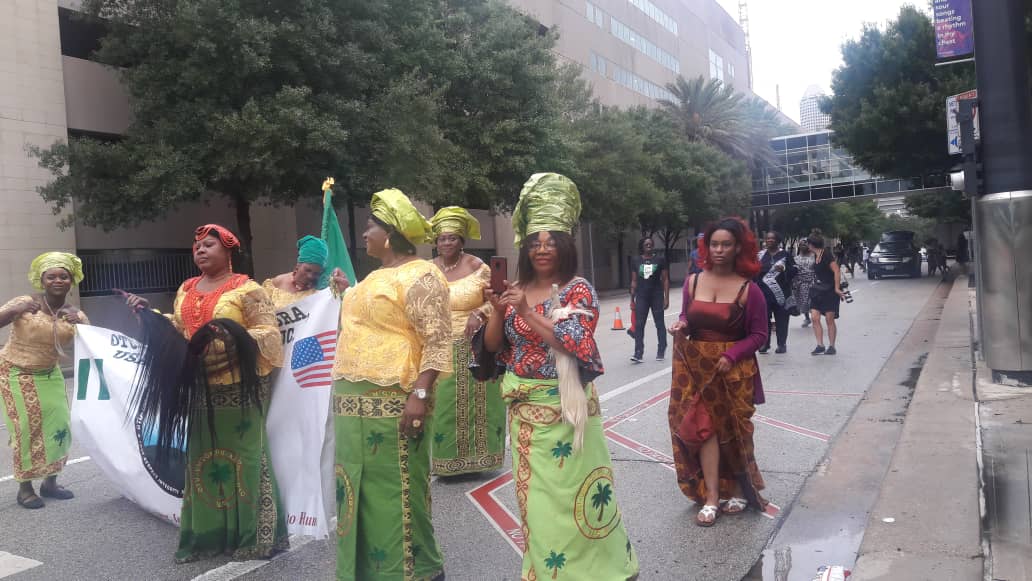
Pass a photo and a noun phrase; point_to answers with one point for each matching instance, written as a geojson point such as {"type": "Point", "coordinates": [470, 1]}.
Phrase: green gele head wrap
{"type": "Point", "coordinates": [395, 209]}
{"type": "Point", "coordinates": [456, 220]}
{"type": "Point", "coordinates": [549, 202]}
{"type": "Point", "coordinates": [312, 250]}
{"type": "Point", "coordinates": [48, 260]}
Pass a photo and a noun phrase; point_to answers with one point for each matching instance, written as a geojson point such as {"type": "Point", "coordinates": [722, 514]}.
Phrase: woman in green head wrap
{"type": "Point", "coordinates": [468, 423]}
{"type": "Point", "coordinates": [543, 327]}
{"type": "Point", "coordinates": [307, 277]}
{"type": "Point", "coordinates": [395, 339]}
{"type": "Point", "coordinates": [32, 388]}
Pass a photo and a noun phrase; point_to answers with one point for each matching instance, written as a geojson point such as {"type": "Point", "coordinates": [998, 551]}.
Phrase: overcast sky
{"type": "Point", "coordinates": [796, 43]}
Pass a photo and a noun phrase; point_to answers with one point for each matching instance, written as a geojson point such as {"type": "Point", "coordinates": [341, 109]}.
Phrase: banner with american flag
{"type": "Point", "coordinates": [299, 415]}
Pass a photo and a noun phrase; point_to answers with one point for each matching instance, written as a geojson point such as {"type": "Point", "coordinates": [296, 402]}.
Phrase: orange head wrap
{"type": "Point", "coordinates": [226, 238]}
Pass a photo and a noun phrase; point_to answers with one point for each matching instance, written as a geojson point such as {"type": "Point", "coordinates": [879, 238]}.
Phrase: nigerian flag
{"type": "Point", "coordinates": [331, 233]}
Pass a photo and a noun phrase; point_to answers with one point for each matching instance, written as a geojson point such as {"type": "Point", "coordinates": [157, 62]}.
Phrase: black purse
{"type": "Point", "coordinates": [482, 365]}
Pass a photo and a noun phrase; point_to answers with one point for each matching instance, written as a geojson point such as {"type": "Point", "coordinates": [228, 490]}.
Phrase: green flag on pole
{"type": "Point", "coordinates": [331, 233]}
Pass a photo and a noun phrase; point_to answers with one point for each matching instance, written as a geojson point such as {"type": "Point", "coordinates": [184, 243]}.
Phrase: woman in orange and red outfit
{"type": "Point", "coordinates": [716, 379]}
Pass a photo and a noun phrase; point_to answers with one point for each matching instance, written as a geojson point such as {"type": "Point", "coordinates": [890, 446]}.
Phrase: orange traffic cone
{"type": "Point", "coordinates": [618, 322]}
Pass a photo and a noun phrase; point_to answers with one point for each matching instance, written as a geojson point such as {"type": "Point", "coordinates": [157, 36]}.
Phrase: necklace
{"type": "Point", "coordinates": [453, 266]}
{"type": "Point", "coordinates": [50, 309]}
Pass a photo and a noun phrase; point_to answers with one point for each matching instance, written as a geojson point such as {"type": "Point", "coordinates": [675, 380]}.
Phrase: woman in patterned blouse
{"type": "Point", "coordinates": [543, 327]}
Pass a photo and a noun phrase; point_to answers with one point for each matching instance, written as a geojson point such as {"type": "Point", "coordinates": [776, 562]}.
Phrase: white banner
{"type": "Point", "coordinates": [299, 421]}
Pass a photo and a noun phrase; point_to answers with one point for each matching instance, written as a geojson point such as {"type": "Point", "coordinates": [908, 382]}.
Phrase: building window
{"type": "Point", "coordinates": [598, 64]}
{"type": "Point", "coordinates": [731, 70]}
{"type": "Point", "coordinates": [653, 12]}
{"type": "Point", "coordinates": [716, 66]}
{"type": "Point", "coordinates": [595, 15]}
{"type": "Point", "coordinates": [643, 45]}
{"type": "Point", "coordinates": [639, 85]}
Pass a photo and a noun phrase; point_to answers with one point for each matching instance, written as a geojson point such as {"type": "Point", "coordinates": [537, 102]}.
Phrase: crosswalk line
{"type": "Point", "coordinates": [11, 564]}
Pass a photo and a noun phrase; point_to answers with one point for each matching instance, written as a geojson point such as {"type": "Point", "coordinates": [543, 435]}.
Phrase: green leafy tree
{"type": "Point", "coordinates": [373, 440]}
{"type": "Point", "coordinates": [888, 107]}
{"type": "Point", "coordinates": [257, 102]}
{"type": "Point", "coordinates": [555, 561]}
{"type": "Point", "coordinates": [219, 474]}
{"type": "Point", "coordinates": [943, 206]}
{"type": "Point", "coordinates": [601, 498]}
{"type": "Point", "coordinates": [562, 451]}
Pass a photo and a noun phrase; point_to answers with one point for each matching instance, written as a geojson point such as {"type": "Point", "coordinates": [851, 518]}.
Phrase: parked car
{"type": "Point", "coordinates": [895, 255]}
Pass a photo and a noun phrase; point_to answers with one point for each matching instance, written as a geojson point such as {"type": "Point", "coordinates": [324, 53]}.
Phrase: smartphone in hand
{"type": "Point", "coordinates": [499, 272]}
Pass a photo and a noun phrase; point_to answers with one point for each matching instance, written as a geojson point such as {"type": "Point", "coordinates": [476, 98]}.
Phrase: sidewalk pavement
{"type": "Point", "coordinates": [957, 501]}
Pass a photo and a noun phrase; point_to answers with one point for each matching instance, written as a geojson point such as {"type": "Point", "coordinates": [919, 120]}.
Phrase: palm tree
{"type": "Point", "coordinates": [378, 556]}
{"type": "Point", "coordinates": [60, 436]}
{"type": "Point", "coordinates": [438, 438]}
{"type": "Point", "coordinates": [710, 112]}
{"type": "Point", "coordinates": [555, 562]}
{"type": "Point", "coordinates": [242, 427]}
{"type": "Point", "coordinates": [602, 497]}
{"type": "Point", "coordinates": [562, 451]}
{"type": "Point", "coordinates": [374, 440]}
{"type": "Point", "coordinates": [219, 475]}
{"type": "Point", "coordinates": [341, 493]}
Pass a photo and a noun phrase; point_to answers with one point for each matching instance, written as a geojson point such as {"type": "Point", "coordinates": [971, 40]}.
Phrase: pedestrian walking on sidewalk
{"type": "Point", "coordinates": [32, 388]}
{"type": "Point", "coordinates": [962, 253]}
{"type": "Point", "coordinates": [803, 280]}
{"type": "Point", "coordinates": [825, 294]}
{"type": "Point", "coordinates": [716, 378]}
{"type": "Point", "coordinates": [777, 269]}
{"type": "Point", "coordinates": [650, 292]}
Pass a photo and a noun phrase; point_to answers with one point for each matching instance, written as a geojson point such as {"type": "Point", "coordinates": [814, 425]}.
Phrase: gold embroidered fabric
{"type": "Point", "coordinates": [395, 324]}
{"type": "Point", "coordinates": [251, 307]}
{"type": "Point", "coordinates": [281, 298]}
{"type": "Point", "coordinates": [467, 295]}
{"type": "Point", "coordinates": [31, 343]}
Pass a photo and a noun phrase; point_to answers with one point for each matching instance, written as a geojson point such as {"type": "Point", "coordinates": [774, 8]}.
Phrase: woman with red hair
{"type": "Point", "coordinates": [716, 379]}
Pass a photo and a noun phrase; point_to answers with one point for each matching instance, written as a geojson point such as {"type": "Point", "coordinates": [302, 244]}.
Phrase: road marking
{"type": "Point", "coordinates": [641, 449]}
{"type": "Point", "coordinates": [792, 428]}
{"type": "Point", "coordinates": [235, 569]}
{"type": "Point", "coordinates": [68, 463]}
{"type": "Point", "coordinates": [814, 393]}
{"type": "Point", "coordinates": [13, 564]}
{"type": "Point", "coordinates": [634, 384]}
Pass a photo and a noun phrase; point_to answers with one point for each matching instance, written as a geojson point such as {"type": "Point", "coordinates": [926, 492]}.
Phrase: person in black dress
{"type": "Point", "coordinates": [825, 295]}
{"type": "Point", "coordinates": [650, 291]}
{"type": "Point", "coordinates": [774, 258]}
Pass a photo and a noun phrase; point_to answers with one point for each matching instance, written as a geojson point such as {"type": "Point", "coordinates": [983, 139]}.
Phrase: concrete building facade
{"type": "Point", "coordinates": [50, 90]}
{"type": "Point", "coordinates": [810, 115]}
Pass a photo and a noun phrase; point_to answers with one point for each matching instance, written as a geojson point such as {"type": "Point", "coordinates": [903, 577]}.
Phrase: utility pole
{"type": "Point", "coordinates": [1003, 215]}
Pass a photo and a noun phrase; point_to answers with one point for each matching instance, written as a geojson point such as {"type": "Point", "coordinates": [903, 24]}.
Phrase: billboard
{"type": "Point", "coordinates": [954, 30]}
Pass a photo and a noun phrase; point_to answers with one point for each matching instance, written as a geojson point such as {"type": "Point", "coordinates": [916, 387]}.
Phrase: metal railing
{"type": "Point", "coordinates": [139, 271]}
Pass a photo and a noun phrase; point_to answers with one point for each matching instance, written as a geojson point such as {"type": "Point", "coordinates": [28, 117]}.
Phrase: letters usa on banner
{"type": "Point", "coordinates": [299, 441]}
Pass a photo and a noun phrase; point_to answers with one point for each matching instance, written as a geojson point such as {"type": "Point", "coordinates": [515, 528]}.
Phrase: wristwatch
{"type": "Point", "coordinates": [420, 393]}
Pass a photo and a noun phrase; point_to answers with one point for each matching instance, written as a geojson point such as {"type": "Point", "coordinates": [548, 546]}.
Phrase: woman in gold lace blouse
{"type": "Point", "coordinates": [468, 423]}
{"type": "Point", "coordinates": [32, 387]}
{"type": "Point", "coordinates": [395, 339]}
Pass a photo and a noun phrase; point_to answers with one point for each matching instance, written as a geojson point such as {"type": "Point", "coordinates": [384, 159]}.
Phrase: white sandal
{"type": "Point", "coordinates": [708, 512]}
{"type": "Point", "coordinates": [735, 506]}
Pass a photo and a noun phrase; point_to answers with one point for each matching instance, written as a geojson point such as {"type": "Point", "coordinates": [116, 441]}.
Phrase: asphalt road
{"type": "Point", "coordinates": [100, 535]}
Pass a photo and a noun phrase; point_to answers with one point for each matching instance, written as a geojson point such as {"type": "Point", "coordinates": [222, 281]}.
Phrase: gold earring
{"type": "Point", "coordinates": [387, 244]}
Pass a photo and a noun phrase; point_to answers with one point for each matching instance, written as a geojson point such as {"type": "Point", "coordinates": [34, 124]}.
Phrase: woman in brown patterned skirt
{"type": "Point", "coordinates": [716, 381]}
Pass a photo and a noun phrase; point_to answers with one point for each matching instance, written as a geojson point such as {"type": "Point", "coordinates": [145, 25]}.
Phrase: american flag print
{"type": "Point", "coordinates": [312, 360]}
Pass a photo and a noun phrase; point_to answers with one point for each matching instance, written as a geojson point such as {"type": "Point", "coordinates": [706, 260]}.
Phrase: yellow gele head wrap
{"type": "Point", "coordinates": [395, 209]}
{"type": "Point", "coordinates": [48, 260]}
{"type": "Point", "coordinates": [549, 202]}
{"type": "Point", "coordinates": [456, 220]}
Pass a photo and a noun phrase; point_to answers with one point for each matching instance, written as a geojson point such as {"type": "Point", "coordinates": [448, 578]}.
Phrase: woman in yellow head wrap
{"type": "Point", "coordinates": [32, 387]}
{"type": "Point", "coordinates": [395, 339]}
{"type": "Point", "coordinates": [544, 330]}
{"type": "Point", "coordinates": [468, 424]}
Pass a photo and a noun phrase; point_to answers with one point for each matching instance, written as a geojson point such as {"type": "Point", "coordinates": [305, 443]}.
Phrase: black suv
{"type": "Point", "coordinates": [895, 254]}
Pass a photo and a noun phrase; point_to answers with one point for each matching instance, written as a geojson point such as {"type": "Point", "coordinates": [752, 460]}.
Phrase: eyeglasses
{"type": "Point", "coordinates": [547, 245]}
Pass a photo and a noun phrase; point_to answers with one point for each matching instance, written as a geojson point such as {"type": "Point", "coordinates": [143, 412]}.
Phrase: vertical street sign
{"type": "Point", "coordinates": [954, 142]}
{"type": "Point", "coordinates": [954, 31]}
